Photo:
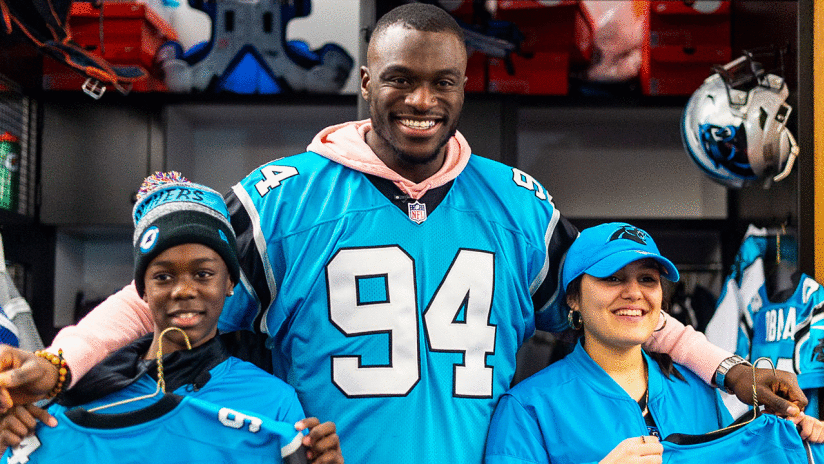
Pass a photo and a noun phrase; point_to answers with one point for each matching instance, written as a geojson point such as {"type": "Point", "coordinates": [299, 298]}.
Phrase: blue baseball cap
{"type": "Point", "coordinates": [604, 249]}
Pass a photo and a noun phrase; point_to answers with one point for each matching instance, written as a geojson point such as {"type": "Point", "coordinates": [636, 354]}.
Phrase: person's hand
{"type": "Point", "coordinates": [777, 390]}
{"type": "Point", "coordinates": [809, 427]}
{"type": "Point", "coordinates": [20, 421]}
{"type": "Point", "coordinates": [636, 450]}
{"type": "Point", "coordinates": [24, 377]}
{"type": "Point", "coordinates": [322, 442]}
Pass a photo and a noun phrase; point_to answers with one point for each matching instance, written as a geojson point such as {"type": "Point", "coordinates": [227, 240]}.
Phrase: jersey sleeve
{"type": "Point", "coordinates": [114, 323]}
{"type": "Point", "coordinates": [688, 347]}
{"type": "Point", "coordinates": [547, 294]}
{"type": "Point", "coordinates": [257, 288]}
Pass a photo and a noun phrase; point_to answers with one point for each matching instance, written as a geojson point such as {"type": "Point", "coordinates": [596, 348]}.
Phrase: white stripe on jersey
{"type": "Point", "coordinates": [260, 244]}
{"type": "Point", "coordinates": [533, 287]}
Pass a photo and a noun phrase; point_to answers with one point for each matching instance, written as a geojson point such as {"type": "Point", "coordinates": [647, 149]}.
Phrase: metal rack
{"type": "Point", "coordinates": [18, 117]}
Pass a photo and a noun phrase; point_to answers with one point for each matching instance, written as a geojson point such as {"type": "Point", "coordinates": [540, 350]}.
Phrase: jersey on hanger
{"type": "Point", "coordinates": [400, 322]}
{"type": "Point", "coordinates": [174, 430]}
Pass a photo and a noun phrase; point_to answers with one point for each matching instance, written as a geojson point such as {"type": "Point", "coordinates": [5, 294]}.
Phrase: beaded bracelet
{"type": "Point", "coordinates": [62, 369]}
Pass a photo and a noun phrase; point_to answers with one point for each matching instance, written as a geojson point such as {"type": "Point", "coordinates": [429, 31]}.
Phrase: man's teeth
{"type": "Point", "coordinates": [417, 124]}
{"type": "Point", "coordinates": [629, 312]}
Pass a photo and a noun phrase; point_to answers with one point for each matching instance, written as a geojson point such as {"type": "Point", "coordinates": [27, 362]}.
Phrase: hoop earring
{"type": "Point", "coordinates": [660, 316]}
{"type": "Point", "coordinates": [575, 320]}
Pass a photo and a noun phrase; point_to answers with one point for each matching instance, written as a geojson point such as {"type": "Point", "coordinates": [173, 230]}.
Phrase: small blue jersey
{"type": "Point", "coordinates": [574, 412]}
{"type": "Point", "coordinates": [174, 430]}
{"type": "Point", "coordinates": [765, 439]}
{"type": "Point", "coordinates": [397, 321]}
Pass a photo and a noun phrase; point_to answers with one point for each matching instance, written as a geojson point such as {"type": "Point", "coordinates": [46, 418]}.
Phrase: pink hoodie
{"type": "Point", "coordinates": [124, 316]}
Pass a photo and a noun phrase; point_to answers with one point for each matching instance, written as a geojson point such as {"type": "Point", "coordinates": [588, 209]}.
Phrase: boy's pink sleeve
{"type": "Point", "coordinates": [111, 325]}
{"type": "Point", "coordinates": [689, 347]}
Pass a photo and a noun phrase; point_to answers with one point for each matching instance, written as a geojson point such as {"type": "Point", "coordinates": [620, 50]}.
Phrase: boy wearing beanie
{"type": "Point", "coordinates": [185, 266]}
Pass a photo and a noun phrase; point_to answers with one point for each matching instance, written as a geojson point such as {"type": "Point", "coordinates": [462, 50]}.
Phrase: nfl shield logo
{"type": "Point", "coordinates": [417, 211]}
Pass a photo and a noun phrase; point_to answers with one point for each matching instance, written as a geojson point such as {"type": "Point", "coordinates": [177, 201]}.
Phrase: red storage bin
{"type": "Point", "coordinates": [684, 40]}
{"type": "Point", "coordinates": [543, 73]}
{"type": "Point", "coordinates": [678, 70]}
{"type": "Point", "coordinates": [476, 73]}
{"type": "Point", "coordinates": [132, 32]}
{"type": "Point", "coordinates": [545, 28]}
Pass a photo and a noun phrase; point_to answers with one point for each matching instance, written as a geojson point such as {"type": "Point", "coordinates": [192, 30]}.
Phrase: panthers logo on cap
{"type": "Point", "coordinates": [630, 233]}
{"type": "Point", "coordinates": [149, 239]}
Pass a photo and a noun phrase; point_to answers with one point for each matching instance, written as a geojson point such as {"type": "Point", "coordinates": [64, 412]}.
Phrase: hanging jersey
{"type": "Point", "coordinates": [746, 276]}
{"type": "Point", "coordinates": [808, 353]}
{"type": "Point", "coordinates": [766, 439]}
{"type": "Point", "coordinates": [773, 324]}
{"type": "Point", "coordinates": [402, 321]}
{"type": "Point", "coordinates": [175, 430]}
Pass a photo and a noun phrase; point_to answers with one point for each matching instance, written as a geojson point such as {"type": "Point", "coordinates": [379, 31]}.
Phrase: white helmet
{"type": "Point", "coordinates": [734, 125]}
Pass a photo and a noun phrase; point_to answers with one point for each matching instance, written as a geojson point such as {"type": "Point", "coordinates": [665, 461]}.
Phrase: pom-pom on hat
{"type": "Point", "coordinates": [604, 249]}
{"type": "Point", "coordinates": [171, 211]}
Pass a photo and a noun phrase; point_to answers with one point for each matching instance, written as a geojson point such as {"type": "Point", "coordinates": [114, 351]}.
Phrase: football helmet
{"type": "Point", "coordinates": [735, 125]}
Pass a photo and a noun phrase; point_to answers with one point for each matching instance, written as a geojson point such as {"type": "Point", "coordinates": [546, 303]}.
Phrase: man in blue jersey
{"type": "Point", "coordinates": [395, 273]}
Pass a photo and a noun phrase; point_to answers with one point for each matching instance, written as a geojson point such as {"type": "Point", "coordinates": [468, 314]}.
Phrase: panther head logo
{"type": "Point", "coordinates": [818, 351]}
{"type": "Point", "coordinates": [630, 233]}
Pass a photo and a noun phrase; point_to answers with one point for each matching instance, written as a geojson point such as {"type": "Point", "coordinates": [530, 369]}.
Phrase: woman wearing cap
{"type": "Point", "coordinates": [608, 400]}
{"type": "Point", "coordinates": [185, 266]}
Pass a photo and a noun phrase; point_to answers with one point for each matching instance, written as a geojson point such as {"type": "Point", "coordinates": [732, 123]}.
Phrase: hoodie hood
{"type": "Point", "coordinates": [346, 144]}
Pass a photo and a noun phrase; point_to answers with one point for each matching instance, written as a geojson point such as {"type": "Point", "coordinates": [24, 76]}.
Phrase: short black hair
{"type": "Point", "coordinates": [421, 17]}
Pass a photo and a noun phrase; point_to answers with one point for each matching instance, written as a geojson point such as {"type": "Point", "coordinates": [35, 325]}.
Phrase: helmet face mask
{"type": "Point", "coordinates": [734, 125]}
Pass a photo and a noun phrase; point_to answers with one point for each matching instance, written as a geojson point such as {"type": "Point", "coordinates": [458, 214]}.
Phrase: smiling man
{"type": "Point", "coordinates": [414, 84]}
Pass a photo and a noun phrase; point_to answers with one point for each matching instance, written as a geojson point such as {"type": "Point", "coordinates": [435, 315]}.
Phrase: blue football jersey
{"type": "Point", "coordinates": [808, 353]}
{"type": "Point", "coordinates": [728, 327]}
{"type": "Point", "coordinates": [175, 430]}
{"type": "Point", "coordinates": [773, 324]}
{"type": "Point", "coordinates": [766, 439]}
{"type": "Point", "coordinates": [402, 322]}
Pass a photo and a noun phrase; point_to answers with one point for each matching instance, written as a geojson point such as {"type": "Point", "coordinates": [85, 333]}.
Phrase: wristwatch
{"type": "Point", "coordinates": [724, 367]}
